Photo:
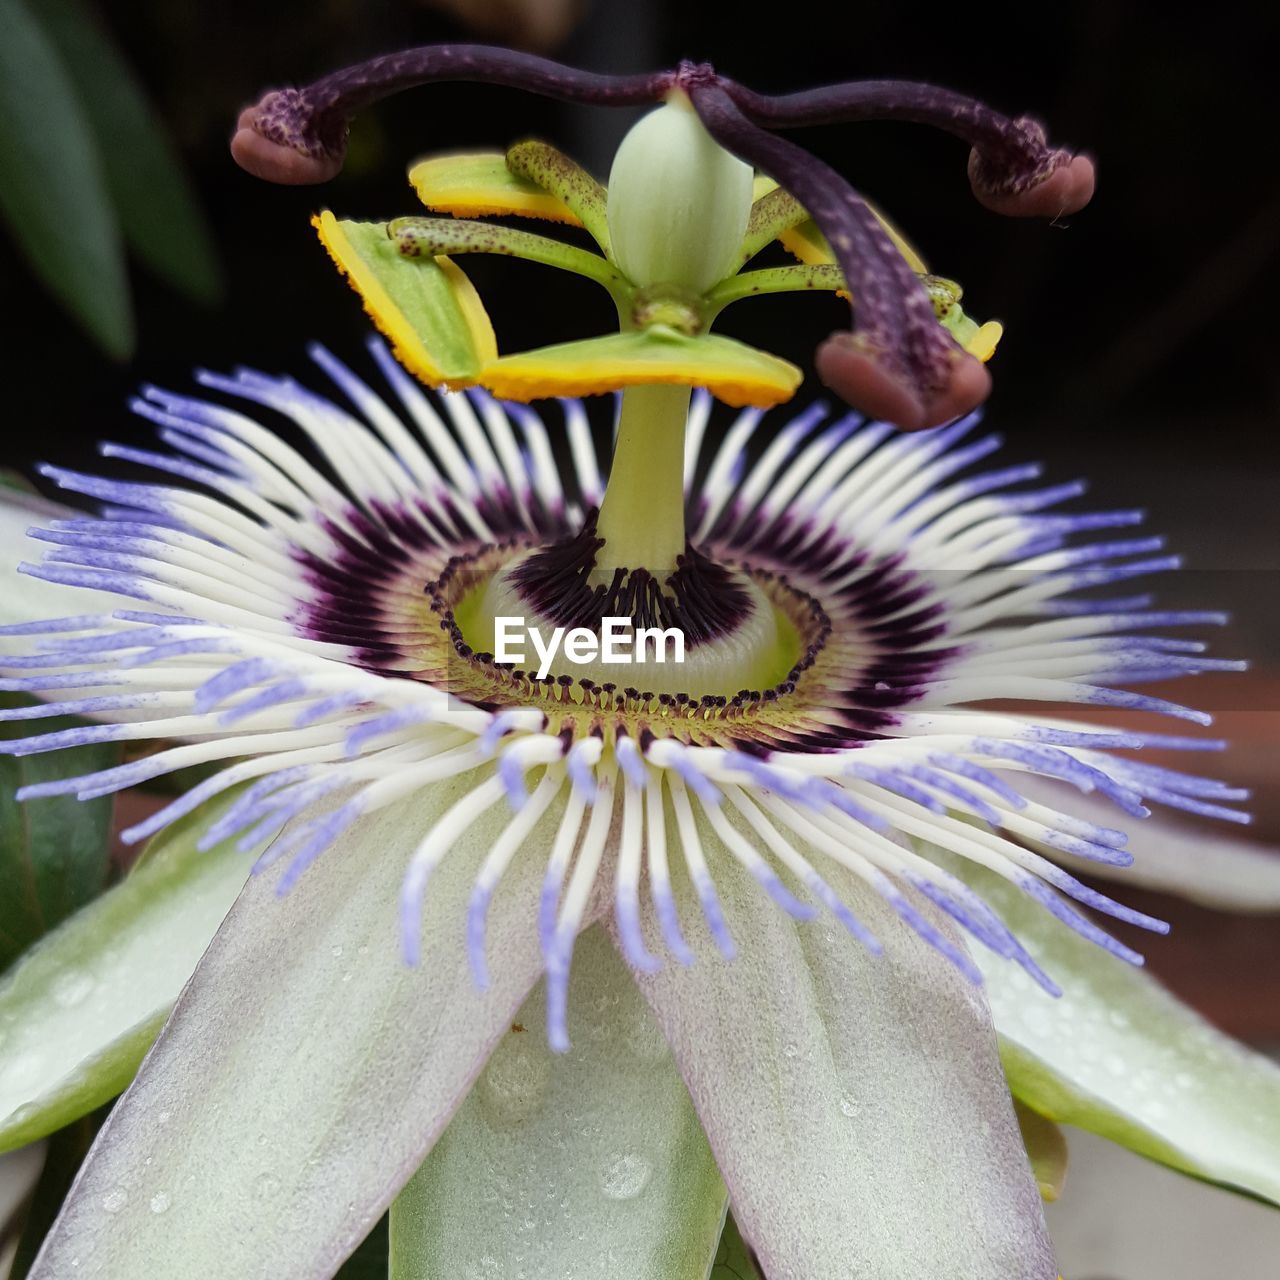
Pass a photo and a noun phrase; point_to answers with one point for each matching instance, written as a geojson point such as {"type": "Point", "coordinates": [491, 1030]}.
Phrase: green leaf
{"type": "Point", "coordinates": [576, 1167]}
{"type": "Point", "coordinates": [158, 210]}
{"type": "Point", "coordinates": [854, 1102]}
{"type": "Point", "coordinates": [306, 1071]}
{"type": "Point", "coordinates": [53, 191]}
{"type": "Point", "coordinates": [1118, 1055]}
{"type": "Point", "coordinates": [80, 1009]}
{"type": "Point", "coordinates": [54, 852]}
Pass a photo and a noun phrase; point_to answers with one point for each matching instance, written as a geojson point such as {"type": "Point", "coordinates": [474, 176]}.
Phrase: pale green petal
{"type": "Point", "coordinates": [854, 1103]}
{"type": "Point", "coordinates": [576, 1167]}
{"type": "Point", "coordinates": [79, 1010]}
{"type": "Point", "coordinates": [26, 599]}
{"type": "Point", "coordinates": [1206, 863]}
{"type": "Point", "coordinates": [305, 1071]}
{"type": "Point", "coordinates": [1118, 1055]}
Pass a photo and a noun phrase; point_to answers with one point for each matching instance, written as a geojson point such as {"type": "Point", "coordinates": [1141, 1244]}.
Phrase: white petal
{"type": "Point", "coordinates": [306, 1071]}
{"type": "Point", "coordinates": [854, 1103]}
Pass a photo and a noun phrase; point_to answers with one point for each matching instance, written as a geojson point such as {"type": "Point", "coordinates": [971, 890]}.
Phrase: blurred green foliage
{"type": "Point", "coordinates": [86, 169]}
{"type": "Point", "coordinates": [54, 852]}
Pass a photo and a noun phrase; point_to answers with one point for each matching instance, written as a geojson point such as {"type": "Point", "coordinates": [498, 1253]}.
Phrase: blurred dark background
{"type": "Point", "coordinates": [1140, 344]}
{"type": "Point", "coordinates": [1144, 329]}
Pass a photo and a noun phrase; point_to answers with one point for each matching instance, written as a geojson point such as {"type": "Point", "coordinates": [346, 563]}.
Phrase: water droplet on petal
{"type": "Point", "coordinates": [22, 1072]}
{"type": "Point", "coordinates": [335, 951]}
{"type": "Point", "coordinates": [160, 1202]}
{"type": "Point", "coordinates": [514, 1083]}
{"type": "Point", "coordinates": [625, 1176]}
{"type": "Point", "coordinates": [265, 1185]}
{"type": "Point", "coordinates": [72, 987]}
{"type": "Point", "coordinates": [790, 1049]}
{"type": "Point", "coordinates": [115, 1200]}
{"type": "Point", "coordinates": [644, 1037]}
{"type": "Point", "coordinates": [848, 1104]}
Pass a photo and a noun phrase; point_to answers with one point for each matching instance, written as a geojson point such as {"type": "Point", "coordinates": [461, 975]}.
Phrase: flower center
{"type": "Point", "coordinates": [626, 602]}
{"type": "Point", "coordinates": [703, 631]}
{"type": "Point", "coordinates": [749, 638]}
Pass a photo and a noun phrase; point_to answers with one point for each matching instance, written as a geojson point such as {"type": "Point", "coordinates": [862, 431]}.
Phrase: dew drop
{"type": "Point", "coordinates": [160, 1202]}
{"type": "Point", "coordinates": [71, 988]}
{"type": "Point", "coordinates": [644, 1037]}
{"type": "Point", "coordinates": [115, 1200]}
{"type": "Point", "coordinates": [335, 951]}
{"type": "Point", "coordinates": [265, 1185]}
{"type": "Point", "coordinates": [625, 1176]}
{"type": "Point", "coordinates": [790, 1049]}
{"type": "Point", "coordinates": [848, 1104]}
{"type": "Point", "coordinates": [22, 1072]}
{"type": "Point", "coordinates": [515, 1081]}
{"type": "Point", "coordinates": [164, 1117]}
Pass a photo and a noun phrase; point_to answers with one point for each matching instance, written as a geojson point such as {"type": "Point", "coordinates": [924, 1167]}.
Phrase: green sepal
{"type": "Point", "coordinates": [81, 1008]}
{"type": "Point", "coordinates": [599, 1151]}
{"type": "Point", "coordinates": [1120, 1056]}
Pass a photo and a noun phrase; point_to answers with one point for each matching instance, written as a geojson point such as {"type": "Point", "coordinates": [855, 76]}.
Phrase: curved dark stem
{"type": "Point", "coordinates": [1013, 152]}
{"type": "Point", "coordinates": [894, 314]}
{"type": "Point", "coordinates": [313, 119]}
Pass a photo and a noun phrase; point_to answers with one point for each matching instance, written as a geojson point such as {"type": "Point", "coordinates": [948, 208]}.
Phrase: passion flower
{"type": "Point", "coordinates": [792, 836]}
